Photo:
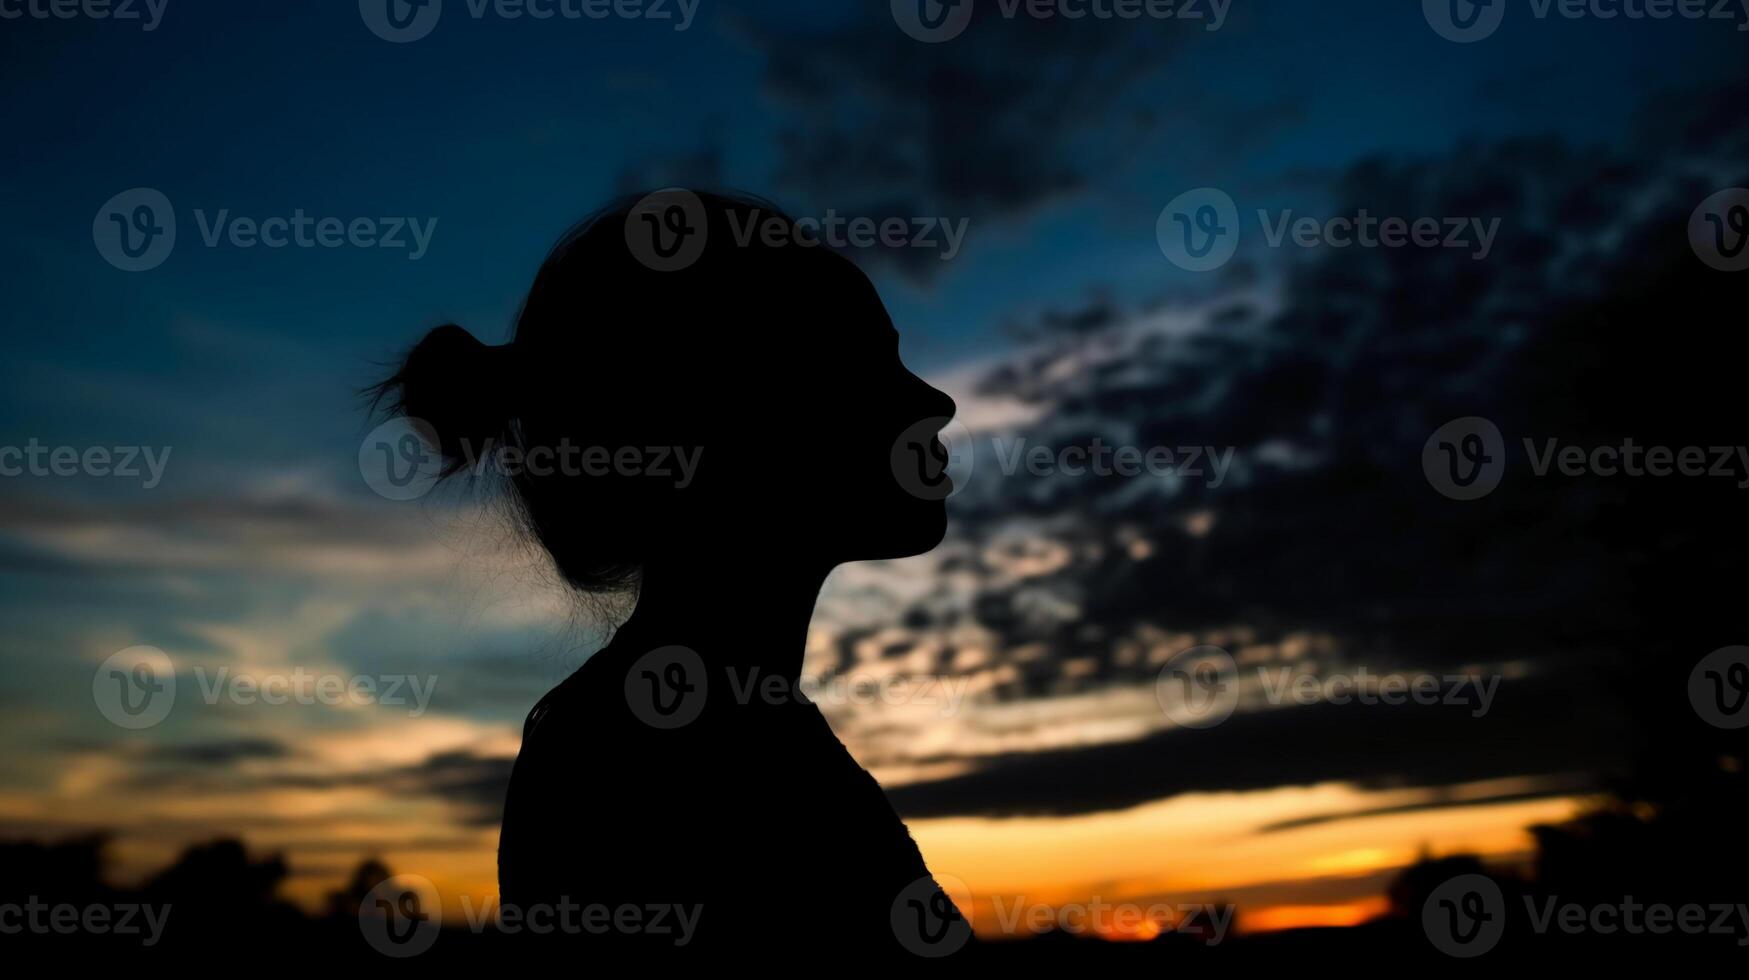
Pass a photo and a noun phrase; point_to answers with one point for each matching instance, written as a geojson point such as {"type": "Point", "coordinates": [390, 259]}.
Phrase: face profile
{"type": "Point", "coordinates": [769, 363]}
{"type": "Point", "coordinates": [705, 422]}
{"type": "Point", "coordinates": [876, 464]}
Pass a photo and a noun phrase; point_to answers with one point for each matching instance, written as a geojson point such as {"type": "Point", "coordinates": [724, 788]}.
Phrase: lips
{"type": "Point", "coordinates": [940, 457]}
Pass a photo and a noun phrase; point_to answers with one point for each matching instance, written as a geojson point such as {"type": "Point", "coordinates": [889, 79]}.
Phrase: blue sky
{"type": "Point", "coordinates": [506, 131]}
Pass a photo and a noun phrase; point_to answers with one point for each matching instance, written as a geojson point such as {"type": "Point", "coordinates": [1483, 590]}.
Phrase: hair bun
{"type": "Point", "coordinates": [458, 386]}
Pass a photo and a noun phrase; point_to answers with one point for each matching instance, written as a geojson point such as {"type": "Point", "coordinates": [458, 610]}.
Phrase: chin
{"type": "Point", "coordinates": [919, 529]}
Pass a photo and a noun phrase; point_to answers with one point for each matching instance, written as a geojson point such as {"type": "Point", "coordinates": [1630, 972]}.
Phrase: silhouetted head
{"type": "Point", "coordinates": [691, 384]}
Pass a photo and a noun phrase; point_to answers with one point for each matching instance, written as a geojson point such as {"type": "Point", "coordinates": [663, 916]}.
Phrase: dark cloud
{"type": "Point", "coordinates": [1010, 115]}
{"type": "Point", "coordinates": [1591, 321]}
{"type": "Point", "coordinates": [1528, 731]}
{"type": "Point", "coordinates": [474, 784]}
{"type": "Point", "coordinates": [1553, 786]}
{"type": "Point", "coordinates": [220, 753]}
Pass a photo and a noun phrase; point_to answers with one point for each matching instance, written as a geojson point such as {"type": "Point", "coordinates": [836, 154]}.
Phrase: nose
{"type": "Point", "coordinates": [932, 401]}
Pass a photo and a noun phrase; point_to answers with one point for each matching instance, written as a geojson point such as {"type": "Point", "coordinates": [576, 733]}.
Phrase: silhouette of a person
{"type": "Point", "coordinates": [680, 768]}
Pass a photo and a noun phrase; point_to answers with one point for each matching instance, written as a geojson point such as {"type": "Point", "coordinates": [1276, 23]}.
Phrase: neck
{"type": "Point", "coordinates": [740, 618]}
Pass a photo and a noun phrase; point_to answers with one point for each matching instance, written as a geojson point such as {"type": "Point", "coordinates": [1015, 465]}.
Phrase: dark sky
{"type": "Point", "coordinates": [1057, 145]}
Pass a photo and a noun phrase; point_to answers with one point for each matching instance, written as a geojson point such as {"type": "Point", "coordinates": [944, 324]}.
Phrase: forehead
{"type": "Point", "coordinates": [838, 293]}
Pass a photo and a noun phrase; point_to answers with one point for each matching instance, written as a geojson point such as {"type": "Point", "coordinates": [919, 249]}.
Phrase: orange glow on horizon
{"type": "Point", "coordinates": [1187, 850]}
{"type": "Point", "coordinates": [1279, 917]}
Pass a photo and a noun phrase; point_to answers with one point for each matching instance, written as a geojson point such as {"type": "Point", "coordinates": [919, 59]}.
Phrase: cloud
{"type": "Point", "coordinates": [1012, 116]}
{"type": "Point", "coordinates": [1374, 746]}
{"type": "Point", "coordinates": [289, 534]}
{"type": "Point", "coordinates": [221, 753]}
{"type": "Point", "coordinates": [1591, 322]}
